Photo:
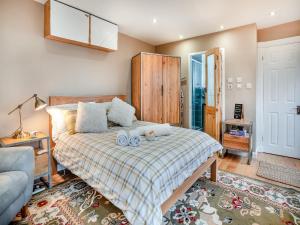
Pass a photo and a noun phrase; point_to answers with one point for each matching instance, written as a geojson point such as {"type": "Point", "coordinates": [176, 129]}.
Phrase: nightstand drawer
{"type": "Point", "coordinates": [236, 142]}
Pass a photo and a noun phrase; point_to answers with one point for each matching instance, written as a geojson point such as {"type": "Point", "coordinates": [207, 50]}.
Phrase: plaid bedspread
{"type": "Point", "coordinates": [135, 179]}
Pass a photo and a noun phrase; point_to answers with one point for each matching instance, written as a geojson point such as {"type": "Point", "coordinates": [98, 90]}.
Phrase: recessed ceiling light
{"type": "Point", "coordinates": [272, 13]}
{"type": "Point", "coordinates": [180, 37]}
{"type": "Point", "coordinates": [221, 27]}
{"type": "Point", "coordinates": [154, 20]}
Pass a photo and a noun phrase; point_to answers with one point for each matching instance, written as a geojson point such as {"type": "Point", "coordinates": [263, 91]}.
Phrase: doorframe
{"type": "Point", "coordinates": [189, 83]}
{"type": "Point", "coordinates": [260, 86]}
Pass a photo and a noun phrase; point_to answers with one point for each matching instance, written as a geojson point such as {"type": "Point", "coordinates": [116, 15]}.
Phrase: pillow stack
{"type": "Point", "coordinates": [90, 117]}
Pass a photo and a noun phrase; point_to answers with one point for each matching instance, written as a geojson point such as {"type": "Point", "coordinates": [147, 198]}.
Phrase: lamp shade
{"type": "Point", "coordinates": [39, 104]}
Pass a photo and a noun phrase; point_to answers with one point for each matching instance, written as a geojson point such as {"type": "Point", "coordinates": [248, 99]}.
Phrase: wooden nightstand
{"type": "Point", "coordinates": [235, 142]}
{"type": "Point", "coordinates": [42, 161]}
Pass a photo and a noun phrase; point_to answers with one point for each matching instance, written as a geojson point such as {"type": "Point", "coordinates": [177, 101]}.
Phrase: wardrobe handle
{"type": "Point", "coordinates": [162, 90]}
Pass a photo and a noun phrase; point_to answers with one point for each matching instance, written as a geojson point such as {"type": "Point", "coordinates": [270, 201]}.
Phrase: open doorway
{"type": "Point", "coordinates": [206, 91]}
{"type": "Point", "coordinates": [197, 84]}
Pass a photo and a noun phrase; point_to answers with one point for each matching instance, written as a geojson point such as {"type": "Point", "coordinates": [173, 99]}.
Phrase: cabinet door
{"type": "Point", "coordinates": [171, 89]}
{"type": "Point", "coordinates": [104, 34]}
{"type": "Point", "coordinates": [151, 88]}
{"type": "Point", "coordinates": [69, 23]}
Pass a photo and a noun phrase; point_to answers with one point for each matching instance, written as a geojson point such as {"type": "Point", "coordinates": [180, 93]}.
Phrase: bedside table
{"type": "Point", "coordinates": [40, 170]}
{"type": "Point", "coordinates": [236, 142]}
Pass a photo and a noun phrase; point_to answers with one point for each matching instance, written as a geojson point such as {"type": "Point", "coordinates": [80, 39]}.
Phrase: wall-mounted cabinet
{"type": "Point", "coordinates": [74, 26]}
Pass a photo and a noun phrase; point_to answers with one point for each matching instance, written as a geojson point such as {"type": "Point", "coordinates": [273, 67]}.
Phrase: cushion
{"type": "Point", "coordinates": [121, 113]}
{"type": "Point", "coordinates": [57, 118]}
{"type": "Point", "coordinates": [12, 185]}
{"type": "Point", "coordinates": [58, 121]}
{"type": "Point", "coordinates": [70, 121]}
{"type": "Point", "coordinates": [91, 118]}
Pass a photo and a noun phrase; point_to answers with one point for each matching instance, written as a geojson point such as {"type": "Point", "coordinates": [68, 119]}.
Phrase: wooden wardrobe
{"type": "Point", "coordinates": [155, 87]}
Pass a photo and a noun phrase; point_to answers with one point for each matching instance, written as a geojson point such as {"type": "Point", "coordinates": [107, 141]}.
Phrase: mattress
{"type": "Point", "coordinates": [135, 179]}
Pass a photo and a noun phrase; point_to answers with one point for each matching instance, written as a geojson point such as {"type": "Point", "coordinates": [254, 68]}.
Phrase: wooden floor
{"type": "Point", "coordinates": [234, 164]}
{"type": "Point", "coordinates": [238, 164]}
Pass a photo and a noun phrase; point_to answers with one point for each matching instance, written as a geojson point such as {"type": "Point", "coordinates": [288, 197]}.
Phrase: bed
{"type": "Point", "coordinates": [143, 182]}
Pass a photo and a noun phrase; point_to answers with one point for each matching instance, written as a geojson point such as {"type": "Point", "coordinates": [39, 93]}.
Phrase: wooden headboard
{"type": "Point", "coordinates": [60, 100]}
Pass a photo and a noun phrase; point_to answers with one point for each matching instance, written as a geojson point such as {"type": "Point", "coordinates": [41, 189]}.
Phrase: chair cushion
{"type": "Point", "coordinates": [12, 185]}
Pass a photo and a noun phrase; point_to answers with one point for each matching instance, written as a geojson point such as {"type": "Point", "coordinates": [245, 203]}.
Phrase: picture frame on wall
{"type": "Point", "coordinates": [238, 111]}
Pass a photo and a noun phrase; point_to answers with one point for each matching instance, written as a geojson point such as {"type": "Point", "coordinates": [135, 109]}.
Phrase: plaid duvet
{"type": "Point", "coordinates": [135, 179]}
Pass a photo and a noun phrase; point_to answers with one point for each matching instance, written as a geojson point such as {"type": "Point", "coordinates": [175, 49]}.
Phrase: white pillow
{"type": "Point", "coordinates": [121, 113]}
{"type": "Point", "coordinates": [91, 118]}
{"type": "Point", "coordinates": [58, 119]}
{"type": "Point", "coordinates": [57, 113]}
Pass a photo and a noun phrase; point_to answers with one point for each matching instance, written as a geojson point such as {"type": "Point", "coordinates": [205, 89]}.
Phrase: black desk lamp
{"type": "Point", "coordinates": [38, 105]}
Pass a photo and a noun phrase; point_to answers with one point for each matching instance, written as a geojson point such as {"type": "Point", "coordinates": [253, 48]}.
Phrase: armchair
{"type": "Point", "coordinates": [16, 181]}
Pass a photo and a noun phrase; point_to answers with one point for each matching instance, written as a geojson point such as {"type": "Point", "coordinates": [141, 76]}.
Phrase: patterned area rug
{"type": "Point", "coordinates": [233, 200]}
{"type": "Point", "coordinates": [280, 173]}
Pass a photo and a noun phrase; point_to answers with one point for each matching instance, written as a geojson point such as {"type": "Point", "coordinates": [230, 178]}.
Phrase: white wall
{"type": "Point", "coordinates": [240, 46]}
{"type": "Point", "coordinates": [31, 64]}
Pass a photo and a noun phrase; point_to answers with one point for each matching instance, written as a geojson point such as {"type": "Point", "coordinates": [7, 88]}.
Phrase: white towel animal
{"type": "Point", "coordinates": [122, 138]}
{"type": "Point", "coordinates": [158, 129]}
{"type": "Point", "coordinates": [134, 138]}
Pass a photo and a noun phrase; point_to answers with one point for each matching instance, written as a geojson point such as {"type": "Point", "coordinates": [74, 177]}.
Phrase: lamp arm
{"type": "Point", "coordinates": [20, 105]}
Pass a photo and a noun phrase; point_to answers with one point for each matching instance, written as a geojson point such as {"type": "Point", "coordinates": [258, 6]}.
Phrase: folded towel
{"type": "Point", "coordinates": [150, 135]}
{"type": "Point", "coordinates": [158, 129]}
{"type": "Point", "coordinates": [134, 138]}
{"type": "Point", "coordinates": [122, 138]}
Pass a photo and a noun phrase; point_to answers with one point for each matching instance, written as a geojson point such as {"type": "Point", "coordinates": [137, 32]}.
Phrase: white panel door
{"type": "Point", "coordinates": [69, 23]}
{"type": "Point", "coordinates": [104, 34]}
{"type": "Point", "coordinates": [281, 77]}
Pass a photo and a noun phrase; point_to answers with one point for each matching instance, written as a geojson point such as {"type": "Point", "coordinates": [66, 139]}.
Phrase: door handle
{"type": "Point", "coordinates": [298, 109]}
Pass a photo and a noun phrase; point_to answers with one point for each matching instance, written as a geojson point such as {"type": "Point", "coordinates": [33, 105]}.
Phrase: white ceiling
{"type": "Point", "coordinates": [188, 18]}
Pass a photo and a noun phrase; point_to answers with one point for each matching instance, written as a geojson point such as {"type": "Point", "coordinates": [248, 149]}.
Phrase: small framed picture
{"type": "Point", "coordinates": [238, 111]}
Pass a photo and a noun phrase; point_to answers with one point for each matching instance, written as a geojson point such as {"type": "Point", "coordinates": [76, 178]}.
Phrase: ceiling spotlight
{"type": "Point", "coordinates": [154, 20]}
{"type": "Point", "coordinates": [221, 27]}
{"type": "Point", "coordinates": [272, 13]}
{"type": "Point", "coordinates": [180, 37]}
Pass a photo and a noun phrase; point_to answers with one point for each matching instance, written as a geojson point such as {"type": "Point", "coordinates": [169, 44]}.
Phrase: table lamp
{"type": "Point", "coordinates": [38, 105]}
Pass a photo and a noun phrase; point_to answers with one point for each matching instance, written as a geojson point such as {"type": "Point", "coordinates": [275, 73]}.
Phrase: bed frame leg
{"type": "Point", "coordinates": [213, 168]}
{"type": "Point", "coordinates": [53, 164]}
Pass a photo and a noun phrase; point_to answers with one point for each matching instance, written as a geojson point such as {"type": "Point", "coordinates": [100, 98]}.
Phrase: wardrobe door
{"type": "Point", "coordinates": [171, 89]}
{"type": "Point", "coordinates": [151, 85]}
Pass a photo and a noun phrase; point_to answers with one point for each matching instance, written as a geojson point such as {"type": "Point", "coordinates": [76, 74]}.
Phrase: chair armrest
{"type": "Point", "coordinates": [17, 159]}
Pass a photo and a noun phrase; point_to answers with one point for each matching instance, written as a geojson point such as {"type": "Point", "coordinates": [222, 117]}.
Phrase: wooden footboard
{"type": "Point", "coordinates": [211, 162]}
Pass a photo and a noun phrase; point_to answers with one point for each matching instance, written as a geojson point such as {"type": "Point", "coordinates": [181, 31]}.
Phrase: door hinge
{"type": "Point", "coordinates": [262, 58]}
{"type": "Point", "coordinates": [215, 66]}
{"type": "Point", "coordinates": [262, 139]}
